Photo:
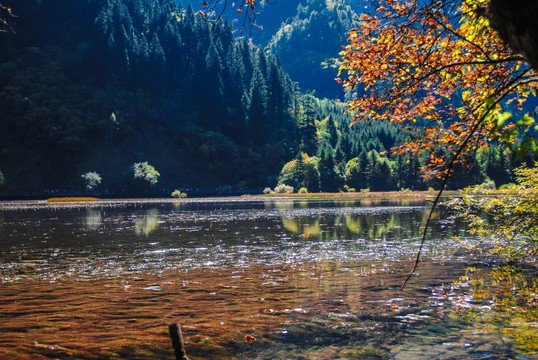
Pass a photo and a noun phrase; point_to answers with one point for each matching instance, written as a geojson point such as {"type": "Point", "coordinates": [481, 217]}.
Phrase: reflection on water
{"type": "Point", "coordinates": [376, 223]}
{"type": "Point", "coordinates": [309, 279]}
{"type": "Point", "coordinates": [107, 242]}
{"type": "Point", "coordinates": [147, 224]}
{"type": "Point", "coordinates": [93, 218]}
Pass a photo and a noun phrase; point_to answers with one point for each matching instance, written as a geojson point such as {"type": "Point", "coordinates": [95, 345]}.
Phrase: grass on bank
{"type": "Point", "coordinates": [72, 199]}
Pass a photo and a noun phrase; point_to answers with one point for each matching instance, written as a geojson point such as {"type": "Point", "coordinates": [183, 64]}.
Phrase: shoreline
{"type": "Point", "coordinates": [96, 202]}
{"type": "Point", "coordinates": [368, 195]}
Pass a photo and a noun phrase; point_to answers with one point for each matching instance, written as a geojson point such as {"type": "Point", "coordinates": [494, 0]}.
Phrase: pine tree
{"type": "Point", "coordinates": [257, 120]}
{"type": "Point", "coordinates": [329, 177]}
{"type": "Point", "coordinates": [308, 125]}
{"type": "Point", "coordinates": [333, 133]}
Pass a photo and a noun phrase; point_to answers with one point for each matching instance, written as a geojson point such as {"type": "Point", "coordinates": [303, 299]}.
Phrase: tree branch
{"type": "Point", "coordinates": [509, 88]}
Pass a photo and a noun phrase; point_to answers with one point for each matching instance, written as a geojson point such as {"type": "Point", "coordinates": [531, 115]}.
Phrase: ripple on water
{"type": "Point", "coordinates": [130, 240]}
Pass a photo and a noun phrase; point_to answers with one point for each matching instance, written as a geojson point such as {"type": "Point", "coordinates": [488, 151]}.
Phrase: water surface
{"type": "Point", "coordinates": [308, 279]}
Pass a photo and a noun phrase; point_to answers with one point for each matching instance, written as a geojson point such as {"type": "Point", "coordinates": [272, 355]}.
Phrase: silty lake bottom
{"type": "Point", "coordinates": [307, 279]}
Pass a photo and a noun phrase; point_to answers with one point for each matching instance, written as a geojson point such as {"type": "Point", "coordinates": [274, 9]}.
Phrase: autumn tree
{"type": "Point", "coordinates": [441, 71]}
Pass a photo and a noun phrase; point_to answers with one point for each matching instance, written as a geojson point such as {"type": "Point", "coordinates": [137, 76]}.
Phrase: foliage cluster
{"type": "Point", "coordinates": [508, 217]}
{"type": "Point", "coordinates": [178, 194]}
{"type": "Point", "coordinates": [439, 70]}
{"type": "Point", "coordinates": [283, 189]}
{"type": "Point", "coordinates": [92, 179]}
{"type": "Point", "coordinates": [145, 172]}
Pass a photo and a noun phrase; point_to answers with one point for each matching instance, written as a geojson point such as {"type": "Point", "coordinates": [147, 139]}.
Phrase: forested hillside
{"type": "Point", "coordinates": [306, 35]}
{"type": "Point", "coordinates": [334, 156]}
{"type": "Point", "coordinates": [309, 42]}
{"type": "Point", "coordinates": [99, 85]}
{"type": "Point", "coordinates": [94, 87]}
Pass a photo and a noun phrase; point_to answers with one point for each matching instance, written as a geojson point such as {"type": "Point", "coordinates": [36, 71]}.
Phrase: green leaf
{"type": "Point", "coordinates": [508, 135]}
{"type": "Point", "coordinates": [503, 117]}
{"type": "Point", "coordinates": [525, 121]}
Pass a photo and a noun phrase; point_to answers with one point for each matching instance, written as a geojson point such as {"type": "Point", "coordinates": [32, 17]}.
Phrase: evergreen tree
{"type": "Point", "coordinates": [308, 125]}
{"type": "Point", "coordinates": [257, 120]}
{"type": "Point", "coordinates": [329, 177]}
{"type": "Point", "coordinates": [331, 130]}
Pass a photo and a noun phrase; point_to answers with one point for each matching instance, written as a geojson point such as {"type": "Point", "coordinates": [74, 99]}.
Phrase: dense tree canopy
{"type": "Point", "coordinates": [441, 71]}
{"type": "Point", "coordinates": [117, 82]}
{"type": "Point", "coordinates": [360, 156]}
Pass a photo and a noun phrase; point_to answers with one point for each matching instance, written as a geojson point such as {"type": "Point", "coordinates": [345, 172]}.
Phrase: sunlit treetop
{"type": "Point", "coordinates": [439, 69]}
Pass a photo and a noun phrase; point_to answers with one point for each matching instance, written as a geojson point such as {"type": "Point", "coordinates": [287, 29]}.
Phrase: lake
{"type": "Point", "coordinates": [308, 279]}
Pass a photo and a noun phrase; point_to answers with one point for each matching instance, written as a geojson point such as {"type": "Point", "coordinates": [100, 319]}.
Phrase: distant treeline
{"type": "Point", "coordinates": [336, 157]}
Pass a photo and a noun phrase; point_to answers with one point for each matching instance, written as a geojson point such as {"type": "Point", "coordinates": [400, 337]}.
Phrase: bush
{"type": "Point", "coordinates": [176, 193]}
{"type": "Point", "coordinates": [303, 190]}
{"type": "Point", "coordinates": [267, 191]}
{"type": "Point", "coordinates": [430, 189]}
{"type": "Point", "coordinates": [283, 189]}
{"type": "Point", "coordinates": [367, 190]}
{"type": "Point", "coordinates": [349, 189]}
{"type": "Point", "coordinates": [183, 195]}
{"type": "Point", "coordinates": [92, 179]}
{"type": "Point", "coordinates": [488, 184]}
{"type": "Point", "coordinates": [511, 224]}
{"type": "Point", "coordinates": [506, 186]}
{"type": "Point", "coordinates": [2, 179]}
{"type": "Point", "coordinates": [146, 172]}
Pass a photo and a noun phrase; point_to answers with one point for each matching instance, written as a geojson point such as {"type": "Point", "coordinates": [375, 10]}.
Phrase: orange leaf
{"type": "Point", "coordinates": [250, 339]}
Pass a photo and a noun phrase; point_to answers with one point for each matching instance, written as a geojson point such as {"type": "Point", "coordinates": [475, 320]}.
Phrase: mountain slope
{"type": "Point", "coordinates": [116, 82]}
{"type": "Point", "coordinates": [309, 42]}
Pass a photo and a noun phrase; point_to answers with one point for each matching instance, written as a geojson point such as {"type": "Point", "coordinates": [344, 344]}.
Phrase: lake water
{"type": "Point", "coordinates": [307, 279]}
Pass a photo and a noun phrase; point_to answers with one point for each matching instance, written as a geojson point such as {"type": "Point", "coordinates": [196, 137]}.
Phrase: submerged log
{"type": "Point", "coordinates": [177, 342]}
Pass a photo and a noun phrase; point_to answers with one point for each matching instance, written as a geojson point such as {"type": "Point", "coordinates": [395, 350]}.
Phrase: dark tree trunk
{"type": "Point", "coordinates": [516, 21]}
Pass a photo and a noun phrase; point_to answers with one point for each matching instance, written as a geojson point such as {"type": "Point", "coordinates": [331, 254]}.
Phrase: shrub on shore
{"type": "Point", "coordinates": [283, 189]}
